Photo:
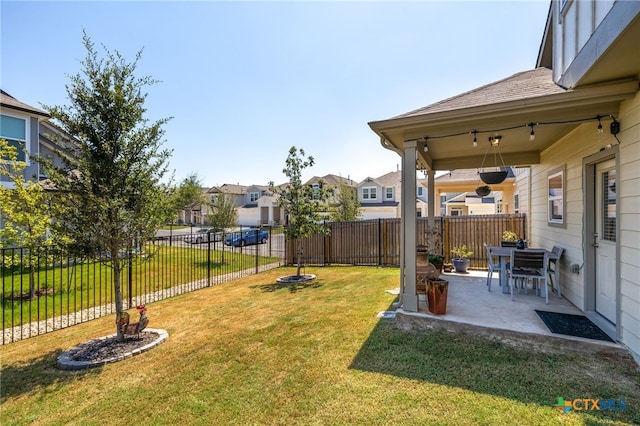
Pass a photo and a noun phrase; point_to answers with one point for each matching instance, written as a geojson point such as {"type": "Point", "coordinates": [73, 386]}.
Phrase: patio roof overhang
{"type": "Point", "coordinates": [449, 133]}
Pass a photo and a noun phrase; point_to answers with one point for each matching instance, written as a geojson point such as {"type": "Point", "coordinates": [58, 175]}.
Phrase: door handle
{"type": "Point", "coordinates": [595, 241]}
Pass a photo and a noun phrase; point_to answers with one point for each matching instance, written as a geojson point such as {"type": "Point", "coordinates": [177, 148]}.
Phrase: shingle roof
{"type": "Point", "coordinates": [331, 180]}
{"type": "Point", "coordinates": [8, 101]}
{"type": "Point", "coordinates": [389, 179]}
{"type": "Point", "coordinates": [523, 85]}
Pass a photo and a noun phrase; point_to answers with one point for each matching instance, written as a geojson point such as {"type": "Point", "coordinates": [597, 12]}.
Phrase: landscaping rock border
{"type": "Point", "coordinates": [90, 355]}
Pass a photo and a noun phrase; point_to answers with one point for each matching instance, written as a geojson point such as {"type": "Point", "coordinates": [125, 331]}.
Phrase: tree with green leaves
{"type": "Point", "coordinates": [26, 215]}
{"type": "Point", "coordinates": [223, 212]}
{"type": "Point", "coordinates": [347, 208]}
{"type": "Point", "coordinates": [302, 204]}
{"type": "Point", "coordinates": [110, 189]}
{"type": "Point", "coordinates": [189, 193]}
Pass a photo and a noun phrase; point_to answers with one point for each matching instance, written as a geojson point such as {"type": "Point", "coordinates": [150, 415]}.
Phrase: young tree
{"type": "Point", "coordinates": [25, 212]}
{"type": "Point", "coordinates": [224, 214]}
{"type": "Point", "coordinates": [302, 205]}
{"type": "Point", "coordinates": [189, 193]}
{"type": "Point", "coordinates": [348, 207]}
{"type": "Point", "coordinates": [110, 188]}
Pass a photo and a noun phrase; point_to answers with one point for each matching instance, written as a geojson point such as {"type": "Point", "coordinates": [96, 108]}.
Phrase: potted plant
{"type": "Point", "coordinates": [483, 190]}
{"type": "Point", "coordinates": [437, 261]}
{"type": "Point", "coordinates": [509, 236]}
{"type": "Point", "coordinates": [461, 258]}
{"type": "Point", "coordinates": [494, 177]}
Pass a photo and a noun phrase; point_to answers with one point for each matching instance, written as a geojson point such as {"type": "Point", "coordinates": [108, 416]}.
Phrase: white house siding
{"type": "Point", "coordinates": [570, 151]}
{"type": "Point", "coordinates": [630, 223]}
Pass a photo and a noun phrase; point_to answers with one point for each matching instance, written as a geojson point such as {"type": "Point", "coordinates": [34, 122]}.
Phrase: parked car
{"type": "Point", "coordinates": [246, 237]}
{"type": "Point", "coordinates": [204, 235]}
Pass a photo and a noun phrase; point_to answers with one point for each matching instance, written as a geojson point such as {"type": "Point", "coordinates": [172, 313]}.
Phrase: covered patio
{"type": "Point", "coordinates": [526, 112]}
{"type": "Point", "coordinates": [471, 307]}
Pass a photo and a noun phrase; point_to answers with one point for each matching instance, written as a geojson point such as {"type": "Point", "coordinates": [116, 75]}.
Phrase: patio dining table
{"type": "Point", "coordinates": [504, 253]}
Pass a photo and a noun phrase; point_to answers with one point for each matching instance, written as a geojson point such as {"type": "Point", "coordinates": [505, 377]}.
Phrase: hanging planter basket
{"type": "Point", "coordinates": [483, 191]}
{"type": "Point", "coordinates": [493, 178]}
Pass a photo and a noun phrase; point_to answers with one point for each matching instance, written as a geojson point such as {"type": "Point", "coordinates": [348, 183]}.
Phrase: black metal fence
{"type": "Point", "coordinates": [45, 290]}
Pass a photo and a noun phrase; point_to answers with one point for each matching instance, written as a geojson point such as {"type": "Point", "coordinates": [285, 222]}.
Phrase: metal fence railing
{"type": "Point", "coordinates": [45, 290]}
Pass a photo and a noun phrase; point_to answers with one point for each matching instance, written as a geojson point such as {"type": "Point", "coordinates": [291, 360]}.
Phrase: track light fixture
{"type": "Point", "coordinates": [426, 147]}
{"type": "Point", "coordinates": [475, 138]}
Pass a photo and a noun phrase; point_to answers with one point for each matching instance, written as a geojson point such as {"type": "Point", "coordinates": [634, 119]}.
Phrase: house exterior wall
{"type": "Point", "coordinates": [630, 224]}
{"type": "Point", "coordinates": [370, 212]}
{"type": "Point", "coordinates": [577, 21]}
{"type": "Point", "coordinates": [569, 152]}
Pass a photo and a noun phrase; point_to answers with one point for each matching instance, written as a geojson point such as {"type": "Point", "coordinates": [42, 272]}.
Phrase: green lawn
{"type": "Point", "coordinates": [255, 352]}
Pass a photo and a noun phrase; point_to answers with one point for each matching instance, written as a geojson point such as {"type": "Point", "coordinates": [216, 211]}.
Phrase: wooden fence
{"type": "Point", "coordinates": [377, 241]}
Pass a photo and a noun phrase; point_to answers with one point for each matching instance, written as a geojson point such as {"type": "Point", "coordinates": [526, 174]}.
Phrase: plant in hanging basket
{"type": "Point", "coordinates": [492, 178]}
{"type": "Point", "coordinates": [483, 190]}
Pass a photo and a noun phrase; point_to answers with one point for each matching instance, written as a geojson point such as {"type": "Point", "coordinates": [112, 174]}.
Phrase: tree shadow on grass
{"type": "Point", "coordinates": [37, 374]}
{"type": "Point", "coordinates": [292, 287]}
{"type": "Point", "coordinates": [489, 366]}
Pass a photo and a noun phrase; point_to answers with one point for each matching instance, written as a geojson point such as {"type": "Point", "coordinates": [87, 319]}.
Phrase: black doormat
{"type": "Point", "coordinates": [572, 325]}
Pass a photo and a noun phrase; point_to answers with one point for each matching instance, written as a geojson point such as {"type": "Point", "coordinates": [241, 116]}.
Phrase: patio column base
{"type": "Point", "coordinates": [410, 302]}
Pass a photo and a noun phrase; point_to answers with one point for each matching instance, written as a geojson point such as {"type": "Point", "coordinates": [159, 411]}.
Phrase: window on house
{"type": "Point", "coordinates": [556, 205]}
{"type": "Point", "coordinates": [456, 212]}
{"type": "Point", "coordinates": [419, 213]}
{"type": "Point", "coordinates": [316, 190]}
{"type": "Point", "coordinates": [14, 131]}
{"type": "Point", "coordinates": [253, 196]}
{"type": "Point", "coordinates": [499, 206]}
{"type": "Point", "coordinates": [369, 193]}
{"type": "Point", "coordinates": [516, 203]}
{"type": "Point", "coordinates": [388, 195]}
{"type": "Point", "coordinates": [420, 191]}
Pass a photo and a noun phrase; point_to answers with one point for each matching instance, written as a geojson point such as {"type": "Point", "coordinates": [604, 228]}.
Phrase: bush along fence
{"type": "Point", "coordinates": [53, 290]}
{"type": "Point", "coordinates": [377, 242]}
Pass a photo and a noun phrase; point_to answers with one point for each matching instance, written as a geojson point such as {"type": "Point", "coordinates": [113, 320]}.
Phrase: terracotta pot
{"type": "Point", "coordinates": [437, 296]}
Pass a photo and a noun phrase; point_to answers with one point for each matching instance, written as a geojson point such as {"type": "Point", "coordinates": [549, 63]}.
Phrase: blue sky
{"type": "Point", "coordinates": [244, 81]}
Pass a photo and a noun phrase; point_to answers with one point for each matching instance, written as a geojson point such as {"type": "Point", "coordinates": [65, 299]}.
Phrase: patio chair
{"type": "Point", "coordinates": [493, 263]}
{"type": "Point", "coordinates": [527, 264]}
{"type": "Point", "coordinates": [553, 267]}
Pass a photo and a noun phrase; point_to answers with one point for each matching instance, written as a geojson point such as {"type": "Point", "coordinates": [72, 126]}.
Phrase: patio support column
{"type": "Point", "coordinates": [431, 205]}
{"type": "Point", "coordinates": [408, 294]}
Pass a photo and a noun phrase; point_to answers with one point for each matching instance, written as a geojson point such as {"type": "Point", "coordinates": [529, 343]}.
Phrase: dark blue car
{"type": "Point", "coordinates": [247, 237]}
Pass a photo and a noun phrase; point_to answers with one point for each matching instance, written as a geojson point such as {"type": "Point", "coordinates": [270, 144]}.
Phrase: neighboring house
{"type": "Point", "coordinates": [253, 211]}
{"type": "Point", "coordinates": [581, 107]}
{"type": "Point", "coordinates": [21, 125]}
{"type": "Point", "coordinates": [469, 204]}
{"type": "Point", "coordinates": [456, 193]}
{"type": "Point", "coordinates": [380, 197]}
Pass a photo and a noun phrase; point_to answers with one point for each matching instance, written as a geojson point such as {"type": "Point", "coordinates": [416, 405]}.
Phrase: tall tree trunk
{"type": "Point", "coordinates": [298, 256]}
{"type": "Point", "coordinates": [115, 261]}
